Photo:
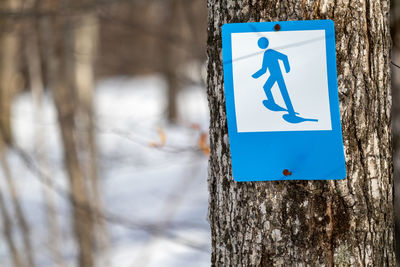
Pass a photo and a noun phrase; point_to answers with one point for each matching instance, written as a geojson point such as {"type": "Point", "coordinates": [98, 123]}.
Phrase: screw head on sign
{"type": "Point", "coordinates": [286, 172]}
{"type": "Point", "coordinates": [277, 27]}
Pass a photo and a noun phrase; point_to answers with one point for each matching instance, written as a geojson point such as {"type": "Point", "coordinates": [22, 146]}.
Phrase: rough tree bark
{"type": "Point", "coordinates": [311, 223]}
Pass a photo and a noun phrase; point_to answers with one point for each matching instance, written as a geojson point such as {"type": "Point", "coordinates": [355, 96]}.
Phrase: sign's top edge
{"type": "Point", "coordinates": [284, 25]}
{"type": "Point", "coordinates": [283, 21]}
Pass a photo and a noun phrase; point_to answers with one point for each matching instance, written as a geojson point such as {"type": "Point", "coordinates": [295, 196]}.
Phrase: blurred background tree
{"type": "Point", "coordinates": [59, 51]}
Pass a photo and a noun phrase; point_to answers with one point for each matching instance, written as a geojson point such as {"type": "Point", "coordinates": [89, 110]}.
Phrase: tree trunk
{"type": "Point", "coordinates": [85, 42]}
{"type": "Point", "coordinates": [60, 77]}
{"type": "Point", "coordinates": [170, 62]}
{"type": "Point", "coordinates": [36, 84]}
{"type": "Point", "coordinates": [9, 72]}
{"type": "Point", "coordinates": [311, 223]}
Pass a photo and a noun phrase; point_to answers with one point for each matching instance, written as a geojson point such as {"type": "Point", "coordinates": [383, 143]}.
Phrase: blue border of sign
{"type": "Point", "coordinates": [309, 155]}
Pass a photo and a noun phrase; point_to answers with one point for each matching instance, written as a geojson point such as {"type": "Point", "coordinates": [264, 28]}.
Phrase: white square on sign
{"type": "Point", "coordinates": [278, 73]}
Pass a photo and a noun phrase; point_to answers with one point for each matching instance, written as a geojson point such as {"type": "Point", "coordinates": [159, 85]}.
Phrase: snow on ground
{"type": "Point", "coordinates": [155, 198]}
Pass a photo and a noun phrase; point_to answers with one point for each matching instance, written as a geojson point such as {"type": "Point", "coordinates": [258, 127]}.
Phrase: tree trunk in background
{"type": "Point", "coordinates": [61, 80]}
{"type": "Point", "coordinates": [311, 223]}
{"type": "Point", "coordinates": [85, 36]}
{"type": "Point", "coordinates": [85, 41]}
{"type": "Point", "coordinates": [171, 62]}
{"type": "Point", "coordinates": [9, 72]}
{"type": "Point", "coordinates": [36, 84]}
{"type": "Point", "coordinates": [10, 81]}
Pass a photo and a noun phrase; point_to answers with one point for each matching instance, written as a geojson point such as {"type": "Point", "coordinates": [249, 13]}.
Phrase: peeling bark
{"type": "Point", "coordinates": [311, 223]}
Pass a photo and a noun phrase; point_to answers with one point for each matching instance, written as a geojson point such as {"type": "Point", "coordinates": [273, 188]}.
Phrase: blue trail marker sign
{"type": "Point", "coordinates": [282, 101]}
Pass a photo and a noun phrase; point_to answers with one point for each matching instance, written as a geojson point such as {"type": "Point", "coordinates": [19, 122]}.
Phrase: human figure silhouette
{"type": "Point", "coordinates": [271, 62]}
